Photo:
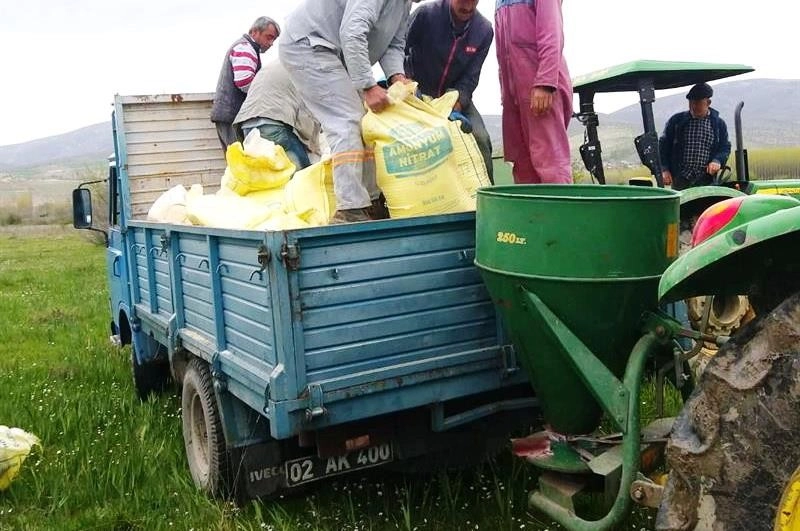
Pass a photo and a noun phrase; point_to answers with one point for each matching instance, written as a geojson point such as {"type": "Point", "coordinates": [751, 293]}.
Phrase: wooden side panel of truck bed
{"type": "Point", "coordinates": [164, 141]}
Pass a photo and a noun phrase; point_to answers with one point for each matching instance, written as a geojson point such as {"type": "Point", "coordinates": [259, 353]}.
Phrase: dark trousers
{"type": "Point", "coordinates": [481, 135]}
{"type": "Point", "coordinates": [228, 134]}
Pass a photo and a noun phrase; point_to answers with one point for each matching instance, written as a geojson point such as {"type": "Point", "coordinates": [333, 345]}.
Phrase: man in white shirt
{"type": "Point", "coordinates": [328, 48]}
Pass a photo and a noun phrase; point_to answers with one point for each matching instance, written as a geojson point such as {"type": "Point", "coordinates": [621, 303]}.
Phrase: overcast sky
{"type": "Point", "coordinates": [62, 62]}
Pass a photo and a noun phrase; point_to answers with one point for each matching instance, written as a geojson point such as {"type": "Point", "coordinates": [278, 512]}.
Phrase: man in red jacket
{"type": "Point", "coordinates": [536, 90]}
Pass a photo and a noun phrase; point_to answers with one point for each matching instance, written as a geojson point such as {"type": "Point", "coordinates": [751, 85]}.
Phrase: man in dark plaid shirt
{"type": "Point", "coordinates": [695, 143]}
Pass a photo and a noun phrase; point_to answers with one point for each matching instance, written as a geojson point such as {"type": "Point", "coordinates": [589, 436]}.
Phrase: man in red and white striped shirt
{"type": "Point", "coordinates": [242, 61]}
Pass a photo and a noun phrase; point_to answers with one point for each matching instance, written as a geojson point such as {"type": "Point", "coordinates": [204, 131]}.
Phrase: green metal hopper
{"type": "Point", "coordinates": [591, 255]}
{"type": "Point", "coordinates": [574, 272]}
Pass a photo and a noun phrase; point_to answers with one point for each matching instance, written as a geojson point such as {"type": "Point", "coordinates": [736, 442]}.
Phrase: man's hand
{"type": "Point", "coordinates": [713, 167]}
{"type": "Point", "coordinates": [457, 106]}
{"type": "Point", "coordinates": [666, 175]}
{"type": "Point", "coordinates": [541, 99]}
{"type": "Point", "coordinates": [376, 98]}
{"type": "Point", "coordinates": [398, 78]}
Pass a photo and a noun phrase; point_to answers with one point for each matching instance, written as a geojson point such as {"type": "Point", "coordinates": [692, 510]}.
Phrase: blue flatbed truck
{"type": "Point", "coordinates": [299, 354]}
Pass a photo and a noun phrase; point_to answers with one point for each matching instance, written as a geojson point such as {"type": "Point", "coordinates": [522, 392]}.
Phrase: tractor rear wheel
{"type": "Point", "coordinates": [733, 450]}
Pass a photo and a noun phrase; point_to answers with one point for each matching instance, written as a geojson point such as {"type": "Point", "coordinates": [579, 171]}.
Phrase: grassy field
{"type": "Point", "coordinates": [111, 462]}
{"type": "Point", "coordinates": [43, 195]}
{"type": "Point", "coordinates": [764, 164]}
{"type": "Point", "coordinates": [774, 163]}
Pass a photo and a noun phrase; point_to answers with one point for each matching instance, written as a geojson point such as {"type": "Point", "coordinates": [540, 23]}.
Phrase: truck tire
{"type": "Point", "coordinates": [152, 377]}
{"type": "Point", "coordinates": [149, 378]}
{"type": "Point", "coordinates": [733, 450]}
{"type": "Point", "coordinates": [202, 431]}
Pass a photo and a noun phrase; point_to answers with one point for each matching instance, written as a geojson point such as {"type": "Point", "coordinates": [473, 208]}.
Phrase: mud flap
{"type": "Point", "coordinates": [258, 470]}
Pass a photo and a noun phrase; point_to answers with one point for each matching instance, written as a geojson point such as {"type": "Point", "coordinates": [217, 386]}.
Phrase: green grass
{"type": "Point", "coordinates": [773, 163]}
{"type": "Point", "coordinates": [111, 462]}
{"type": "Point", "coordinates": [764, 164]}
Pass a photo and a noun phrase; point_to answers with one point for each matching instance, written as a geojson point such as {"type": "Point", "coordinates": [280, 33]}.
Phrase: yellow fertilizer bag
{"type": "Point", "coordinates": [272, 198]}
{"type": "Point", "coordinates": [310, 193]}
{"type": "Point", "coordinates": [170, 207]}
{"type": "Point", "coordinates": [226, 211]}
{"type": "Point", "coordinates": [15, 445]}
{"type": "Point", "coordinates": [256, 164]}
{"type": "Point", "coordinates": [472, 172]}
{"type": "Point", "coordinates": [418, 153]}
{"type": "Point", "coordinates": [307, 200]}
{"type": "Point", "coordinates": [280, 220]}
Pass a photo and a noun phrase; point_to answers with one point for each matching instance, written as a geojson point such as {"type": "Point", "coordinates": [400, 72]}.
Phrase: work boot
{"type": "Point", "coordinates": [352, 215]}
{"type": "Point", "coordinates": [378, 208]}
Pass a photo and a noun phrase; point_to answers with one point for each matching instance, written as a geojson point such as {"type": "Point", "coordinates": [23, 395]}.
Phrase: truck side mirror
{"type": "Point", "coordinates": [82, 208]}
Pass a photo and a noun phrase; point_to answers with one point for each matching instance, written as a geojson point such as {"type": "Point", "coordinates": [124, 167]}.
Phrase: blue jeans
{"type": "Point", "coordinates": [284, 136]}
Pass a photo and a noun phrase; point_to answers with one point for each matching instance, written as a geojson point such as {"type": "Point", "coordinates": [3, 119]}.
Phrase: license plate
{"type": "Point", "coordinates": [312, 468]}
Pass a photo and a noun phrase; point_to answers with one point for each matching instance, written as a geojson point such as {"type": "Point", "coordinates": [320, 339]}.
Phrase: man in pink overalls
{"type": "Point", "coordinates": [536, 89]}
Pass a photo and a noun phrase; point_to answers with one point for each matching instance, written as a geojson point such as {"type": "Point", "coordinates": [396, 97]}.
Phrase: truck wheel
{"type": "Point", "coordinates": [149, 378]}
{"type": "Point", "coordinates": [153, 377]}
{"type": "Point", "coordinates": [202, 431]}
{"type": "Point", "coordinates": [733, 450]}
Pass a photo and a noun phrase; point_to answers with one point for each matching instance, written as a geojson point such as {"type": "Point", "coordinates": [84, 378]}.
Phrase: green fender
{"type": "Point", "coordinates": [760, 242]}
{"type": "Point", "coordinates": [695, 200]}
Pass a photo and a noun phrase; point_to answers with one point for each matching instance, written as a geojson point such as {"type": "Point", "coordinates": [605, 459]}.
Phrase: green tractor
{"type": "Point", "coordinates": [583, 276]}
{"type": "Point", "coordinates": [720, 315]}
{"type": "Point", "coordinates": [645, 77]}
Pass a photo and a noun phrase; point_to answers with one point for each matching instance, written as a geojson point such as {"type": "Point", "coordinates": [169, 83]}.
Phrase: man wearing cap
{"type": "Point", "coordinates": [695, 143]}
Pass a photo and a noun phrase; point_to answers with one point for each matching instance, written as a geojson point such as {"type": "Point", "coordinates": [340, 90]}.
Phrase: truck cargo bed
{"type": "Point", "coordinates": [323, 326]}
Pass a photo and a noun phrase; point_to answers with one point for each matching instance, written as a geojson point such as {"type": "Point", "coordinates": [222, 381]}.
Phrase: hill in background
{"type": "Point", "coordinates": [88, 144]}
{"type": "Point", "coordinates": [770, 116]}
{"type": "Point", "coordinates": [771, 119]}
